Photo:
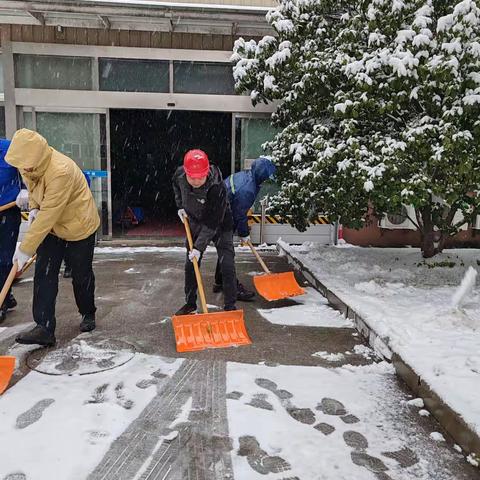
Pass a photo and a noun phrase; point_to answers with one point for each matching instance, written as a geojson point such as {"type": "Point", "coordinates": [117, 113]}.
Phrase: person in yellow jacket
{"type": "Point", "coordinates": [63, 221]}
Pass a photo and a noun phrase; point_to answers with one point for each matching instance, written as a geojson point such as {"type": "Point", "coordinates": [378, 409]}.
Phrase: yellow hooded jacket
{"type": "Point", "coordinates": [57, 187]}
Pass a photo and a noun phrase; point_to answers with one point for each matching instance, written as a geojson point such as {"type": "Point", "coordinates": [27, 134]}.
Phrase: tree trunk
{"type": "Point", "coordinates": [428, 235]}
{"type": "Point", "coordinates": [428, 247]}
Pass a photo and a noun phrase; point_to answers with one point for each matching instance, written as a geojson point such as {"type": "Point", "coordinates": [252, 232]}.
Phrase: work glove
{"type": "Point", "coordinates": [245, 240]}
{"type": "Point", "coordinates": [21, 258]}
{"type": "Point", "coordinates": [182, 214]}
{"type": "Point", "coordinates": [32, 215]}
{"type": "Point", "coordinates": [22, 199]}
{"type": "Point", "coordinates": [194, 254]}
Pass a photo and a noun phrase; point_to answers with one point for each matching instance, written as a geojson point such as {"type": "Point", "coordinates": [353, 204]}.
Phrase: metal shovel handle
{"type": "Point", "coordinates": [201, 290]}
{"type": "Point", "coordinates": [259, 258]}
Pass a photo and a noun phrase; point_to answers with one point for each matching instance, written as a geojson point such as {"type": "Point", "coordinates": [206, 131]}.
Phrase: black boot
{"type": "Point", "coordinates": [217, 288]}
{"type": "Point", "coordinates": [244, 295]}
{"type": "Point", "coordinates": [88, 322]}
{"type": "Point", "coordinates": [229, 308]}
{"type": "Point", "coordinates": [3, 313]}
{"type": "Point", "coordinates": [10, 301]}
{"type": "Point", "coordinates": [186, 309]}
{"type": "Point", "coordinates": [38, 335]}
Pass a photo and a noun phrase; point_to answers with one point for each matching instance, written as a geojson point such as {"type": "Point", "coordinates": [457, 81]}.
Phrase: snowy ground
{"type": "Point", "coordinates": [61, 426]}
{"type": "Point", "coordinates": [413, 305]}
{"type": "Point", "coordinates": [305, 401]}
{"type": "Point", "coordinates": [315, 423]}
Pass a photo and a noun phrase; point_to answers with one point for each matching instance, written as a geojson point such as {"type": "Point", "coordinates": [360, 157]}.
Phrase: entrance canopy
{"type": "Point", "coordinates": [223, 17]}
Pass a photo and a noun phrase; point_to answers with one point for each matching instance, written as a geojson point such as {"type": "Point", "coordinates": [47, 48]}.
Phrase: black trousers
{"type": "Point", "coordinates": [219, 276]}
{"type": "Point", "coordinates": [9, 226]}
{"type": "Point", "coordinates": [223, 242]}
{"type": "Point", "coordinates": [50, 254]}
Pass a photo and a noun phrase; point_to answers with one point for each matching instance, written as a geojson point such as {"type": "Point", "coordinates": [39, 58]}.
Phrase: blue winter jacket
{"type": "Point", "coordinates": [10, 181]}
{"type": "Point", "coordinates": [242, 190]}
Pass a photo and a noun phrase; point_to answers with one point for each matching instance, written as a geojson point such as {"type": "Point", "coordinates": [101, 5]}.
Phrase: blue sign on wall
{"type": "Point", "coordinates": [96, 173]}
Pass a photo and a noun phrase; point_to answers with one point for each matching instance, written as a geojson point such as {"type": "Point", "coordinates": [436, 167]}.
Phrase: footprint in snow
{"type": "Point", "coordinates": [34, 414]}
{"type": "Point", "coordinates": [120, 394]}
{"type": "Point", "coordinates": [259, 400]}
{"type": "Point", "coordinates": [330, 406]}
{"type": "Point", "coordinates": [15, 476]}
{"type": "Point", "coordinates": [258, 459]}
{"type": "Point", "coordinates": [302, 415]}
{"type": "Point", "coordinates": [157, 375]}
{"type": "Point", "coordinates": [98, 395]}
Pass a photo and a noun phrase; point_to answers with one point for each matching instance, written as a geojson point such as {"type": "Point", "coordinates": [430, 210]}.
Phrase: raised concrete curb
{"type": "Point", "coordinates": [450, 420]}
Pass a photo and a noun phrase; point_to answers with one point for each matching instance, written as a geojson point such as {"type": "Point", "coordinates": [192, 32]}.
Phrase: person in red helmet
{"type": "Point", "coordinates": [201, 196]}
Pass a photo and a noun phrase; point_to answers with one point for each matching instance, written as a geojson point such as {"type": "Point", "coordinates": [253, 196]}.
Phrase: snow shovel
{"type": "Point", "coordinates": [275, 286]}
{"type": "Point", "coordinates": [7, 366]}
{"type": "Point", "coordinates": [7, 206]}
{"type": "Point", "coordinates": [7, 363]}
{"type": "Point", "coordinates": [207, 330]}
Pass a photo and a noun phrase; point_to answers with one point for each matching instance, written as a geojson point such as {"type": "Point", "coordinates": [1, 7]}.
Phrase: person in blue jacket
{"type": "Point", "coordinates": [242, 190]}
{"type": "Point", "coordinates": [10, 191]}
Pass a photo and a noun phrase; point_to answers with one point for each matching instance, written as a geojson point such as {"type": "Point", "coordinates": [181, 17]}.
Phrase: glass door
{"type": "Point", "coordinates": [251, 132]}
{"type": "Point", "coordinates": [83, 138]}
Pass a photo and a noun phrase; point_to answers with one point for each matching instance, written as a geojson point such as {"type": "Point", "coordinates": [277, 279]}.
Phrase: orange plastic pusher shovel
{"type": "Point", "coordinates": [200, 331]}
{"type": "Point", "coordinates": [275, 286]}
{"type": "Point", "coordinates": [7, 363]}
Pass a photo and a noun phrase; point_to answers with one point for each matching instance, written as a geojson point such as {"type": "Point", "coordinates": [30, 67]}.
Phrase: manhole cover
{"type": "Point", "coordinates": [82, 357]}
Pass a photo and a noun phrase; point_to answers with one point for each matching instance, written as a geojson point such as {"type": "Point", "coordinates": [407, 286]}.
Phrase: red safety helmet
{"type": "Point", "coordinates": [196, 164]}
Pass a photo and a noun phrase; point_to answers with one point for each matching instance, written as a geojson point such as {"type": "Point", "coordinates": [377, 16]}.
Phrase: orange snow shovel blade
{"type": "Point", "coordinates": [210, 330]}
{"type": "Point", "coordinates": [7, 366]}
{"type": "Point", "coordinates": [275, 286]}
{"type": "Point", "coordinates": [207, 330]}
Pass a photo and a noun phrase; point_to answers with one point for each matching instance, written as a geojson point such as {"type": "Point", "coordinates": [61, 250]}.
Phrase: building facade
{"type": "Point", "coordinates": [125, 88]}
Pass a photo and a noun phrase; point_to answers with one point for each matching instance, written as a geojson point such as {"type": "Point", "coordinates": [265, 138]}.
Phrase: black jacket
{"type": "Point", "coordinates": [207, 207]}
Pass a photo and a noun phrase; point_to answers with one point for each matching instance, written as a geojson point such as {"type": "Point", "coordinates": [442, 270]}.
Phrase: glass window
{"type": "Point", "coordinates": [253, 133]}
{"type": "Point", "coordinates": [63, 73]}
{"type": "Point", "coordinates": [28, 120]}
{"type": "Point", "coordinates": [199, 77]}
{"type": "Point", "coordinates": [81, 137]}
{"type": "Point", "coordinates": [133, 75]}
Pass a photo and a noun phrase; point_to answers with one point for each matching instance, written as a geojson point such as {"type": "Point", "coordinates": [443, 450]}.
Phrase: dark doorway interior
{"type": "Point", "coordinates": [147, 146]}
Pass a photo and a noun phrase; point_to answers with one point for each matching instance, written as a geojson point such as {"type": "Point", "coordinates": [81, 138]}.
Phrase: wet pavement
{"type": "Point", "coordinates": [276, 409]}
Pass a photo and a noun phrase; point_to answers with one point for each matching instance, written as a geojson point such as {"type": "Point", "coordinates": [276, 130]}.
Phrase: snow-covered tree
{"type": "Point", "coordinates": [378, 105]}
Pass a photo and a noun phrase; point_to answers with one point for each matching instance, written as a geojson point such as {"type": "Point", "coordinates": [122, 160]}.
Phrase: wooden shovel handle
{"type": "Point", "coordinates": [8, 283]}
{"type": "Point", "coordinates": [28, 264]}
{"type": "Point", "coordinates": [259, 258]}
{"type": "Point", "coordinates": [7, 206]}
{"type": "Point", "coordinates": [198, 276]}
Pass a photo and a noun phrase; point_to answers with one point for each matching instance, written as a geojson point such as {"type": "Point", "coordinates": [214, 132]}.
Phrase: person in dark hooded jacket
{"type": "Point", "coordinates": [11, 190]}
{"type": "Point", "coordinates": [201, 196]}
{"type": "Point", "coordinates": [242, 190]}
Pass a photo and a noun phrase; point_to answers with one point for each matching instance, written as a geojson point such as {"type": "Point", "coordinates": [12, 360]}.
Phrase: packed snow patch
{"type": "Point", "coordinates": [437, 436]}
{"type": "Point", "coordinates": [313, 311]}
{"type": "Point", "coordinates": [416, 402]}
{"type": "Point", "coordinates": [330, 357]}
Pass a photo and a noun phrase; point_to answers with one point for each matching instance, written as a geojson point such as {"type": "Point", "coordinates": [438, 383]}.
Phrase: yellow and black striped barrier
{"type": "Point", "coordinates": [276, 219]}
